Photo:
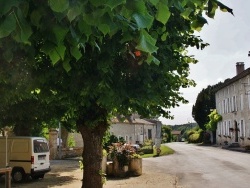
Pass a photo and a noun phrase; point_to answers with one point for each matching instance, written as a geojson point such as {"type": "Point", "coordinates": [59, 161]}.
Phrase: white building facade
{"type": "Point", "coordinates": [134, 132]}
{"type": "Point", "coordinates": [233, 104]}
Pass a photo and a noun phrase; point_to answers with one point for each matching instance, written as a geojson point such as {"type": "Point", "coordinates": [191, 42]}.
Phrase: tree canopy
{"type": "Point", "coordinates": [88, 60]}
{"type": "Point", "coordinates": [205, 102]}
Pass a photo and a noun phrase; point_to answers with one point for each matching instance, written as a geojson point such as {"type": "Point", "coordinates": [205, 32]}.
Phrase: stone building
{"type": "Point", "coordinates": [135, 130]}
{"type": "Point", "coordinates": [233, 104]}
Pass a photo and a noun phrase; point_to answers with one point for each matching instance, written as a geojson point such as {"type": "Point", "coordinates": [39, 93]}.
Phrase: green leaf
{"type": "Point", "coordinates": [97, 3]}
{"type": "Point", "coordinates": [6, 6]}
{"type": "Point", "coordinates": [212, 7]}
{"type": "Point", "coordinates": [154, 2]}
{"type": "Point", "coordinates": [66, 65]}
{"type": "Point", "coordinates": [153, 59]}
{"type": "Point", "coordinates": [163, 13]}
{"type": "Point", "coordinates": [224, 8]}
{"type": "Point", "coordinates": [114, 3]}
{"type": "Point", "coordinates": [104, 28]}
{"type": "Point", "coordinates": [136, 6]}
{"type": "Point", "coordinates": [35, 18]}
{"type": "Point", "coordinates": [59, 5]}
{"type": "Point", "coordinates": [143, 20]}
{"type": "Point", "coordinates": [76, 53]}
{"type": "Point", "coordinates": [54, 57]}
{"type": "Point", "coordinates": [199, 23]}
{"type": "Point", "coordinates": [85, 28]}
{"type": "Point", "coordinates": [61, 51]}
{"type": "Point", "coordinates": [164, 36]}
{"type": "Point", "coordinates": [24, 27]}
{"type": "Point", "coordinates": [7, 26]}
{"type": "Point", "coordinates": [186, 13]}
{"type": "Point", "coordinates": [60, 33]}
{"type": "Point", "coordinates": [73, 13]}
{"type": "Point", "coordinates": [146, 43]}
{"type": "Point", "coordinates": [48, 47]}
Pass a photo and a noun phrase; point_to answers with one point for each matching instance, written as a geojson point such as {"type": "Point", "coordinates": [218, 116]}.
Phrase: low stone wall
{"type": "Point", "coordinates": [71, 152]}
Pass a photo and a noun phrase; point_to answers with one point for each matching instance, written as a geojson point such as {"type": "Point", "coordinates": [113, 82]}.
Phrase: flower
{"type": "Point", "coordinates": [122, 153]}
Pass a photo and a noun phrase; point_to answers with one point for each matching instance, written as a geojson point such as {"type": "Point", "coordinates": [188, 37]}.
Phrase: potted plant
{"type": "Point", "coordinates": [135, 165]}
{"type": "Point", "coordinates": [121, 154]}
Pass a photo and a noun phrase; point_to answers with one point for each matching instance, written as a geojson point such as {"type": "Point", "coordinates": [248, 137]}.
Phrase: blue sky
{"type": "Point", "coordinates": [229, 41]}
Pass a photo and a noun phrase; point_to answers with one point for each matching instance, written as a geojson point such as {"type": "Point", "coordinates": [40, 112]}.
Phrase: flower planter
{"type": "Point", "coordinates": [104, 164]}
{"type": "Point", "coordinates": [135, 167]}
{"type": "Point", "coordinates": [119, 170]}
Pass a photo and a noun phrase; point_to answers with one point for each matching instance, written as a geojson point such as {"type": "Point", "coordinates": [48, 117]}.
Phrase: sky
{"type": "Point", "coordinates": [229, 41]}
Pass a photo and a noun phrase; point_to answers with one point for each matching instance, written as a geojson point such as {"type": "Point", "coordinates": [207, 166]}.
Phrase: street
{"type": "Point", "coordinates": [191, 166]}
{"type": "Point", "coordinates": [204, 166]}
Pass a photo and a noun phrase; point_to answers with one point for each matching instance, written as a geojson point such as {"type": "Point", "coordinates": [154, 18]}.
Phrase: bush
{"type": "Point", "coordinates": [148, 142]}
{"type": "Point", "coordinates": [195, 138]}
{"type": "Point", "coordinates": [147, 150]}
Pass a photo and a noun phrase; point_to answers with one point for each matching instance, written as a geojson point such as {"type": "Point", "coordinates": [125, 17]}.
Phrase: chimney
{"type": "Point", "coordinates": [240, 67]}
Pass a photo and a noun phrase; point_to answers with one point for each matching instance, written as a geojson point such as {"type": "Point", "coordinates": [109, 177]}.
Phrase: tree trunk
{"type": "Point", "coordinates": [92, 155]}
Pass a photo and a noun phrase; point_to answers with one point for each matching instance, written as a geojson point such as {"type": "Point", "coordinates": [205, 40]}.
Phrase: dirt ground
{"type": "Point", "coordinates": [66, 173]}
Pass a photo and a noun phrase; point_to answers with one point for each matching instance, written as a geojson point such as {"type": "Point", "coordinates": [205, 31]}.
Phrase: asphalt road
{"type": "Point", "coordinates": [204, 166]}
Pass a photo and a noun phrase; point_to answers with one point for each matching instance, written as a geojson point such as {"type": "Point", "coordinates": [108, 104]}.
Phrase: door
{"type": "Point", "coordinates": [149, 133]}
{"type": "Point", "coordinates": [236, 132]}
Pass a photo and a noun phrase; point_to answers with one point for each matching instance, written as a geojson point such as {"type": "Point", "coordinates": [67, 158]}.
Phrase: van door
{"type": "Point", "coordinates": [40, 154]}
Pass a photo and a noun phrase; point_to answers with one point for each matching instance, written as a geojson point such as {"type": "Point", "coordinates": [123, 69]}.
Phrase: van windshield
{"type": "Point", "coordinates": [40, 146]}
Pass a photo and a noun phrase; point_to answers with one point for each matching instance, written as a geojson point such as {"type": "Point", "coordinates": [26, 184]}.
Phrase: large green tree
{"type": "Point", "coordinates": [98, 58]}
{"type": "Point", "coordinates": [205, 103]}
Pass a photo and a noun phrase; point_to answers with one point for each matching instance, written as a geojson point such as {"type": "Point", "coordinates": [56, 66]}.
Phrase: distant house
{"type": "Point", "coordinates": [177, 134]}
{"type": "Point", "coordinates": [135, 130]}
{"type": "Point", "coordinates": [233, 104]}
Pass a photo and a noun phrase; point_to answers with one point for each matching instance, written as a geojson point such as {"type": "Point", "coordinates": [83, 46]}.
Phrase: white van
{"type": "Point", "coordinates": [26, 156]}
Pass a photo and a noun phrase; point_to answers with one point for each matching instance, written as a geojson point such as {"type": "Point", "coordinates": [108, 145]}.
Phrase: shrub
{"type": "Point", "coordinates": [147, 150]}
{"type": "Point", "coordinates": [195, 138]}
{"type": "Point", "coordinates": [71, 142]}
{"type": "Point", "coordinates": [148, 142]}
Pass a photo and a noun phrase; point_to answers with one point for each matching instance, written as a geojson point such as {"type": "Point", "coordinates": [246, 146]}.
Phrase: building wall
{"type": "Point", "coordinates": [133, 133]}
{"type": "Point", "coordinates": [124, 130]}
{"type": "Point", "coordinates": [233, 103]}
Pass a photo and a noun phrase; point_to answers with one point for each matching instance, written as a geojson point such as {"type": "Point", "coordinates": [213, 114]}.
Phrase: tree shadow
{"type": "Point", "coordinates": [61, 173]}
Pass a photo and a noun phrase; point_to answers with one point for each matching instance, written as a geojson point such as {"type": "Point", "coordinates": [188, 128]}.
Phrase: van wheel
{"type": "Point", "coordinates": [18, 175]}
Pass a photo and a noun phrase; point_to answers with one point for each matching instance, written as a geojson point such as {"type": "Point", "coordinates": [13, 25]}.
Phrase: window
{"type": "Point", "coordinates": [248, 97]}
{"type": "Point", "coordinates": [242, 128]}
{"type": "Point", "coordinates": [224, 107]}
{"type": "Point", "coordinates": [225, 128]}
{"type": "Point", "coordinates": [149, 133]}
{"type": "Point", "coordinates": [234, 104]}
{"type": "Point", "coordinates": [40, 146]}
{"type": "Point", "coordinates": [219, 109]}
{"type": "Point", "coordinates": [228, 105]}
{"type": "Point", "coordinates": [241, 102]}
{"type": "Point", "coordinates": [219, 128]}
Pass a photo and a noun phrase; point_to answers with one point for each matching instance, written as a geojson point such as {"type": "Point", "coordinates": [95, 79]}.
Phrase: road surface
{"type": "Point", "coordinates": [204, 167]}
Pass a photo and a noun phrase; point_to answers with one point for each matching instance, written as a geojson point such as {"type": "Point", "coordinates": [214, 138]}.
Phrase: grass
{"type": "Point", "coordinates": [165, 150]}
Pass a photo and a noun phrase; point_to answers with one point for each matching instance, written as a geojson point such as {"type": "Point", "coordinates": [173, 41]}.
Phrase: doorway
{"type": "Point", "coordinates": [236, 131]}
